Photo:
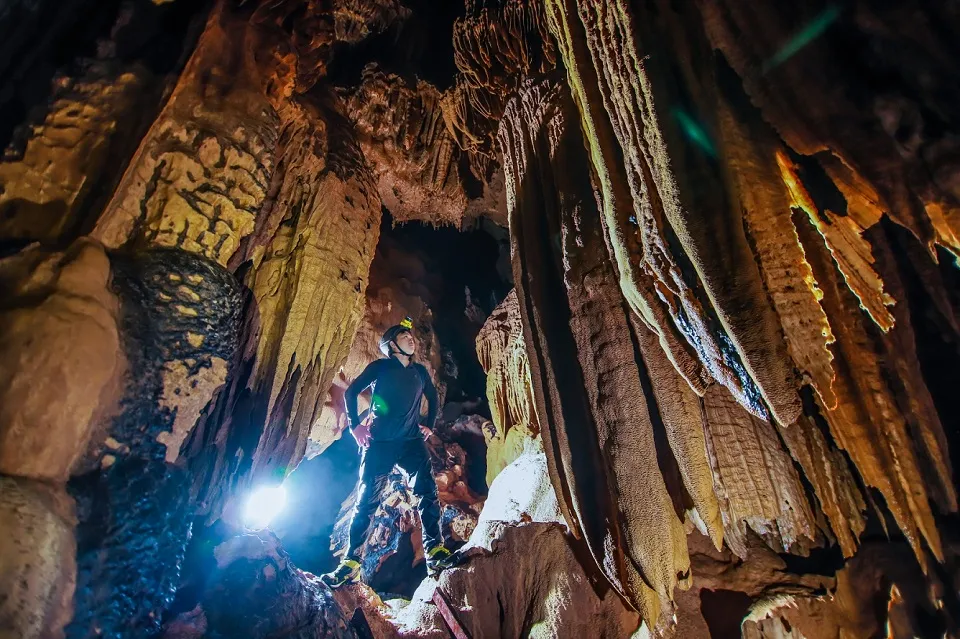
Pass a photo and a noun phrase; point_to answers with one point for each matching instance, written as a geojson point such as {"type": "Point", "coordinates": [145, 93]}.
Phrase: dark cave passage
{"type": "Point", "coordinates": [460, 276]}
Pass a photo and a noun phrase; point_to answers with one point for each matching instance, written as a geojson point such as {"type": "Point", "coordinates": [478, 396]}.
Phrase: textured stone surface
{"type": "Point", "coordinates": [747, 236]}
{"type": "Point", "coordinates": [733, 229]}
{"type": "Point", "coordinates": [755, 478]}
{"type": "Point", "coordinates": [43, 188]}
{"type": "Point", "coordinates": [58, 329]}
{"type": "Point", "coordinates": [135, 509]}
{"type": "Point", "coordinates": [416, 160]}
{"type": "Point", "coordinates": [255, 591]}
{"type": "Point", "coordinates": [523, 577]}
{"type": "Point", "coordinates": [37, 570]}
{"type": "Point", "coordinates": [671, 278]}
{"type": "Point", "coordinates": [503, 357]}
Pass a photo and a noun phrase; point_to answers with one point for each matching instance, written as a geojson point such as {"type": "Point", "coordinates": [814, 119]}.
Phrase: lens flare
{"type": "Point", "coordinates": [263, 505]}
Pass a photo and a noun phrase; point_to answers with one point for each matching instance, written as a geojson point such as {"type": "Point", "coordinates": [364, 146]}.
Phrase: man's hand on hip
{"type": "Point", "coordinates": [426, 432]}
{"type": "Point", "coordinates": [362, 433]}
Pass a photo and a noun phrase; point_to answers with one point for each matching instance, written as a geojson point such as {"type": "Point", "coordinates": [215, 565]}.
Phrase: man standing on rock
{"type": "Point", "coordinates": [392, 435]}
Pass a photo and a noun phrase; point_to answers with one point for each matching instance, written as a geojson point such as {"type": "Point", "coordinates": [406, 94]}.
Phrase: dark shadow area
{"type": "Point", "coordinates": [464, 283]}
{"type": "Point", "coordinates": [724, 610]}
{"type": "Point", "coordinates": [420, 47]}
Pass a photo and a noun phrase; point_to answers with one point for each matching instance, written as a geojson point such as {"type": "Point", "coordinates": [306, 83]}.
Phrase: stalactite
{"type": "Point", "coordinates": [402, 132]}
{"type": "Point", "coordinates": [638, 286]}
{"type": "Point", "coordinates": [309, 271]}
{"type": "Point", "coordinates": [551, 201]}
{"type": "Point", "coordinates": [851, 251]}
{"type": "Point", "coordinates": [826, 468]}
{"type": "Point", "coordinates": [756, 482]}
{"type": "Point", "coordinates": [889, 146]}
{"type": "Point", "coordinates": [683, 420]}
{"type": "Point", "coordinates": [866, 422]}
{"type": "Point", "coordinates": [715, 298]}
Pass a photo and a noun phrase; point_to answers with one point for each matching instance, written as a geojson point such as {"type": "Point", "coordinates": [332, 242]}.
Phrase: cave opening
{"type": "Point", "coordinates": [451, 279]}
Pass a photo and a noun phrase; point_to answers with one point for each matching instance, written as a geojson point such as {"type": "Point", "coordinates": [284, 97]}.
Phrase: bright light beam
{"type": "Point", "coordinates": [263, 505]}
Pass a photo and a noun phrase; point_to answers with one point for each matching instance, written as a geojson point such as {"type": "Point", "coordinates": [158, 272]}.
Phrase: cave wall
{"type": "Point", "coordinates": [217, 293]}
{"type": "Point", "coordinates": [770, 342]}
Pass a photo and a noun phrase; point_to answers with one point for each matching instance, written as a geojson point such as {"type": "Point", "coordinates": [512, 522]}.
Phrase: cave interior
{"type": "Point", "coordinates": [683, 272]}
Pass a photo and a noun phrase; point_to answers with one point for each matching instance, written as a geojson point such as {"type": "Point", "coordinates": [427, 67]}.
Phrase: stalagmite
{"type": "Point", "coordinates": [503, 356]}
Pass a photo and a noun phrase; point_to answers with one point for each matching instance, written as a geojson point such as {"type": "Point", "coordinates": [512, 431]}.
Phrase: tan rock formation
{"type": "Point", "coordinates": [503, 357]}
{"type": "Point", "coordinates": [732, 226]}
{"type": "Point", "coordinates": [527, 571]}
{"type": "Point", "coordinates": [415, 157]}
{"type": "Point", "coordinates": [596, 425]}
{"type": "Point", "coordinates": [699, 196]}
{"type": "Point", "coordinates": [37, 569]}
{"type": "Point", "coordinates": [240, 169]}
{"type": "Point", "coordinates": [58, 330]}
{"type": "Point", "coordinates": [43, 190]}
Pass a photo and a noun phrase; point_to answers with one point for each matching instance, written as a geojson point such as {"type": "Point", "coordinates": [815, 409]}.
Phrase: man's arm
{"type": "Point", "coordinates": [430, 391]}
{"type": "Point", "coordinates": [360, 384]}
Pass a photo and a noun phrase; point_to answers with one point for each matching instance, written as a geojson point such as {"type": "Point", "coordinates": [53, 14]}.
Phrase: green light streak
{"type": "Point", "coordinates": [813, 30]}
{"type": "Point", "coordinates": [697, 134]}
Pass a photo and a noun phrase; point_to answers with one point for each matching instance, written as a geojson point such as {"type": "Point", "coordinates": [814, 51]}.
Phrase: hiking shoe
{"type": "Point", "coordinates": [439, 558]}
{"type": "Point", "coordinates": [348, 572]}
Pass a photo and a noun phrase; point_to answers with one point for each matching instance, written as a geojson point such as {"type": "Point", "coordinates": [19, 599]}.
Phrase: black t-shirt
{"type": "Point", "coordinates": [397, 392]}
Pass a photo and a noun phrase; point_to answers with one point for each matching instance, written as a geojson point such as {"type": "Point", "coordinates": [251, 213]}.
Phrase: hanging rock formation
{"type": "Point", "coordinates": [726, 373]}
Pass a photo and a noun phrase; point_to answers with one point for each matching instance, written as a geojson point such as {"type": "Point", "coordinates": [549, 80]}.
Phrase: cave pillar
{"type": "Point", "coordinates": [593, 409]}
{"type": "Point", "coordinates": [60, 378]}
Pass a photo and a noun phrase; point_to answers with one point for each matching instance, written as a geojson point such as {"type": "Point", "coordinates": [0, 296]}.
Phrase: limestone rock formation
{"type": "Point", "coordinates": [255, 591]}
{"type": "Point", "coordinates": [59, 322]}
{"type": "Point", "coordinates": [37, 559]}
{"type": "Point", "coordinates": [726, 373]}
{"type": "Point", "coordinates": [504, 359]}
{"type": "Point", "coordinates": [555, 598]}
{"type": "Point", "coordinates": [417, 161]}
